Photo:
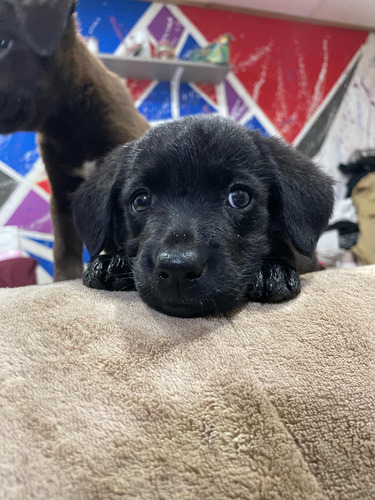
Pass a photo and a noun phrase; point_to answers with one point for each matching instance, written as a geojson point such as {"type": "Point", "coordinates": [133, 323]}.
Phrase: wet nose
{"type": "Point", "coordinates": [179, 267]}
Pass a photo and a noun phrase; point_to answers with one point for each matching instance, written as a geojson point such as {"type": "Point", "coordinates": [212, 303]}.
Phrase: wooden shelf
{"type": "Point", "coordinates": [164, 70]}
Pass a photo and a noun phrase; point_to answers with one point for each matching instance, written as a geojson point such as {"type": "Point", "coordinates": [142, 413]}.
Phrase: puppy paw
{"type": "Point", "coordinates": [275, 282]}
{"type": "Point", "coordinates": [109, 272]}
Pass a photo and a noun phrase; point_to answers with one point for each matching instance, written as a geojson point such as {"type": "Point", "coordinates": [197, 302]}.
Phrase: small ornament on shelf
{"type": "Point", "coordinates": [164, 50]}
{"type": "Point", "coordinates": [216, 52]}
{"type": "Point", "coordinates": [135, 45]}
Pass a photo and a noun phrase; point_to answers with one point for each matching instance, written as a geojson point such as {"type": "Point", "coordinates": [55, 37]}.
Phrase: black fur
{"type": "Point", "coordinates": [191, 253]}
{"type": "Point", "coordinates": [109, 272]}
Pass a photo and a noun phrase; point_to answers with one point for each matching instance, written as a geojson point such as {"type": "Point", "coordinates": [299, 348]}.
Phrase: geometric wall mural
{"type": "Point", "coordinates": [354, 125]}
{"type": "Point", "coordinates": [285, 76]}
{"type": "Point", "coordinates": [314, 136]}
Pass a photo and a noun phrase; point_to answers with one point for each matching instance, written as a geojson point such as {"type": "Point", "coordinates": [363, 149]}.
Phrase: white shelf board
{"type": "Point", "coordinates": [164, 70]}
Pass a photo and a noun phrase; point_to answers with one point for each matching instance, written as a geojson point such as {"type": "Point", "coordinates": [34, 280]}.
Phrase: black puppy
{"type": "Point", "coordinates": [202, 214]}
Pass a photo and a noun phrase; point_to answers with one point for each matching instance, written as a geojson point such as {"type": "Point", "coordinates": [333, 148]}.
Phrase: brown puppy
{"type": "Point", "coordinates": [52, 84]}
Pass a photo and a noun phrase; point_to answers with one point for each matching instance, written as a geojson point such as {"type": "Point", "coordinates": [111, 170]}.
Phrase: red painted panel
{"type": "Point", "coordinates": [209, 90]}
{"type": "Point", "coordinates": [287, 67]}
{"type": "Point", "coordinates": [137, 87]}
{"type": "Point", "coordinates": [45, 185]}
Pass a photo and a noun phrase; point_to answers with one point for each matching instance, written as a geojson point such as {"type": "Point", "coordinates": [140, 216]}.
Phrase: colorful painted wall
{"type": "Point", "coordinates": [288, 78]}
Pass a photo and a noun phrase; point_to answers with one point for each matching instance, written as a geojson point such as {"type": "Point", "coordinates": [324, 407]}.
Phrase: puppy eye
{"type": "Point", "coordinates": [239, 198]}
{"type": "Point", "coordinates": [141, 202]}
{"type": "Point", "coordinates": [4, 44]}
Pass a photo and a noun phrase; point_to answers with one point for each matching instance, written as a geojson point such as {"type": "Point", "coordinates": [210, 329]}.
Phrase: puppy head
{"type": "Point", "coordinates": [30, 31]}
{"type": "Point", "coordinates": [198, 205]}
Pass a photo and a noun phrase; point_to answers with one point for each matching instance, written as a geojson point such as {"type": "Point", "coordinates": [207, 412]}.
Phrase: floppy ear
{"type": "Point", "coordinates": [43, 22]}
{"type": "Point", "coordinates": [94, 202]}
{"type": "Point", "coordinates": [305, 194]}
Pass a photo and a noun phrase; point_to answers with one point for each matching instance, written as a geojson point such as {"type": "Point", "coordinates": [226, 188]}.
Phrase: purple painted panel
{"type": "Point", "coordinates": [236, 106]}
{"type": "Point", "coordinates": [32, 214]}
{"type": "Point", "coordinates": [166, 27]}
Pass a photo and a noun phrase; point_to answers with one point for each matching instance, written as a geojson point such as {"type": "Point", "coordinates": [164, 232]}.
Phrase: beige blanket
{"type": "Point", "coordinates": [103, 398]}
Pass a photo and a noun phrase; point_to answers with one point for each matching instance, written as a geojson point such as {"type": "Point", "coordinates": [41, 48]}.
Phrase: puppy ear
{"type": "Point", "coordinates": [43, 22]}
{"type": "Point", "coordinates": [305, 194]}
{"type": "Point", "coordinates": [94, 202]}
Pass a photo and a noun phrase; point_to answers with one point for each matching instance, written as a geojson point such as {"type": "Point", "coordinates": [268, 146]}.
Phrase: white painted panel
{"type": "Point", "coordinates": [355, 12]}
{"type": "Point", "coordinates": [290, 7]}
{"type": "Point", "coordinates": [361, 12]}
{"type": "Point", "coordinates": [354, 125]}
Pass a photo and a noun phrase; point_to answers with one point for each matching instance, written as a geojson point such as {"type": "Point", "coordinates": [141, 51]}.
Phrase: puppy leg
{"type": "Point", "coordinates": [275, 282]}
{"type": "Point", "coordinates": [109, 272]}
{"type": "Point", "coordinates": [67, 250]}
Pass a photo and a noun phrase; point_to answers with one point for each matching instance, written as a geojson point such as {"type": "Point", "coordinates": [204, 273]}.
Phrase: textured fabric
{"type": "Point", "coordinates": [364, 201]}
{"type": "Point", "coordinates": [104, 398]}
{"type": "Point", "coordinates": [20, 271]}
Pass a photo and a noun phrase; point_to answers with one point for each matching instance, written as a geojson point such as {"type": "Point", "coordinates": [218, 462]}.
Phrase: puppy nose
{"type": "Point", "coordinates": [179, 267]}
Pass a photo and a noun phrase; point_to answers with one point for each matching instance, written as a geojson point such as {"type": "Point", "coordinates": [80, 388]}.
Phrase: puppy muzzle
{"type": "Point", "coordinates": [179, 269]}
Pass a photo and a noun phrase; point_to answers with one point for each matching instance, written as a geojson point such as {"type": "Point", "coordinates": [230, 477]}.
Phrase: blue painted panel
{"type": "Point", "coordinates": [85, 255]}
{"type": "Point", "coordinates": [46, 264]}
{"type": "Point", "coordinates": [46, 243]}
{"type": "Point", "coordinates": [109, 21]}
{"type": "Point", "coordinates": [157, 105]}
{"type": "Point", "coordinates": [192, 103]}
{"type": "Point", "coordinates": [254, 124]}
{"type": "Point", "coordinates": [19, 151]}
{"type": "Point", "coordinates": [190, 44]}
